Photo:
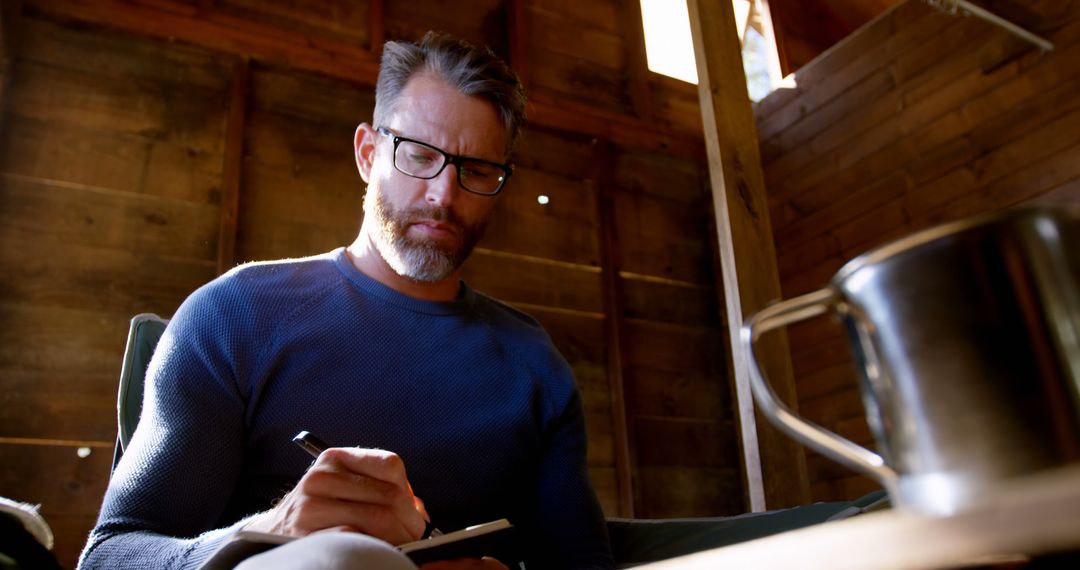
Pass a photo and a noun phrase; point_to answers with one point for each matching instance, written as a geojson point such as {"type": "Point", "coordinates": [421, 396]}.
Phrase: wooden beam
{"type": "Point", "coordinates": [621, 130]}
{"type": "Point", "coordinates": [637, 64]}
{"type": "Point", "coordinates": [233, 168]}
{"type": "Point", "coordinates": [220, 32]}
{"type": "Point", "coordinates": [774, 464]}
{"type": "Point", "coordinates": [171, 20]}
{"type": "Point", "coordinates": [56, 442]}
{"type": "Point", "coordinates": [614, 335]}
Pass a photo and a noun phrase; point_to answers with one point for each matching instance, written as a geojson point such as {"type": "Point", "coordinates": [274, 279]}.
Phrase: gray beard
{"type": "Point", "coordinates": [424, 261]}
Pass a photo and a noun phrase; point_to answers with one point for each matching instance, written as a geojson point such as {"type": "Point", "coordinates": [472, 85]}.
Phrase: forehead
{"type": "Point", "coordinates": [432, 111]}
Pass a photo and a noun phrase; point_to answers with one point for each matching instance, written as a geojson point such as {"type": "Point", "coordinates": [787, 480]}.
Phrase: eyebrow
{"type": "Point", "coordinates": [503, 162]}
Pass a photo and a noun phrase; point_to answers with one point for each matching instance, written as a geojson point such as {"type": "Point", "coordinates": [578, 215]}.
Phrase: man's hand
{"type": "Point", "coordinates": [465, 564]}
{"type": "Point", "coordinates": [360, 490]}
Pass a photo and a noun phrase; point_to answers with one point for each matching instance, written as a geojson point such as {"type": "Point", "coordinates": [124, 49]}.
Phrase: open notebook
{"type": "Point", "coordinates": [496, 539]}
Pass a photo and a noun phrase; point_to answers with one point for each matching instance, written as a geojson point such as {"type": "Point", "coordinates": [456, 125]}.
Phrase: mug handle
{"type": "Point", "coordinates": [816, 437]}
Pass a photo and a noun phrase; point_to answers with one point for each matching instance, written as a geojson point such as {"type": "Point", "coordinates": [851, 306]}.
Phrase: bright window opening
{"type": "Point", "coordinates": [670, 50]}
{"type": "Point", "coordinates": [668, 47]}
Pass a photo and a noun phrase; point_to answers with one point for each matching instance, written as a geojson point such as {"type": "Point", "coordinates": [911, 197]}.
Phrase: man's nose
{"type": "Point", "coordinates": [442, 189]}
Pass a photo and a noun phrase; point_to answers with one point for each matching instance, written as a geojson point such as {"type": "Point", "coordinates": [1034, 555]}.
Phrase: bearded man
{"type": "Point", "coordinates": [379, 347]}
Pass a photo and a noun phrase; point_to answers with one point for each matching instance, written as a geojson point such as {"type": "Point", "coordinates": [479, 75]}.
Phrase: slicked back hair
{"type": "Point", "coordinates": [472, 70]}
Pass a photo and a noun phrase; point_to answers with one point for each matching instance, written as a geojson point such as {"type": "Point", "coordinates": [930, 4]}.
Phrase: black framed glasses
{"type": "Point", "coordinates": [421, 160]}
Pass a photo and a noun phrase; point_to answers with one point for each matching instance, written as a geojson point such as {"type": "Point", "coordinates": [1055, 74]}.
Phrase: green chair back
{"type": "Point", "coordinates": [143, 336]}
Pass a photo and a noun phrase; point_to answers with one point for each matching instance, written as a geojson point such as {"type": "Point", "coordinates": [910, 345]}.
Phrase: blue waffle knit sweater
{"type": "Point", "coordinates": [471, 394]}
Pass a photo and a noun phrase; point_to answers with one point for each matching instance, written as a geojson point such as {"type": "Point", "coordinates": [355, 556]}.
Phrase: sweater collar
{"type": "Point", "coordinates": [465, 300]}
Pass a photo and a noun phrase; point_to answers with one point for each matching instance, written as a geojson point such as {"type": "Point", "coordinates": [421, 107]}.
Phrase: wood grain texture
{"type": "Point", "coordinates": [928, 119]}
{"type": "Point", "coordinates": [519, 40]}
{"type": "Point", "coordinates": [10, 21]}
{"type": "Point", "coordinates": [680, 394]}
{"type": "Point", "coordinates": [535, 281]}
{"type": "Point", "coordinates": [747, 255]}
{"type": "Point", "coordinates": [376, 26]}
{"type": "Point", "coordinates": [674, 104]}
{"type": "Point", "coordinates": [605, 484]}
{"type": "Point", "coordinates": [718, 491]}
{"type": "Point", "coordinates": [302, 94]}
{"type": "Point", "coordinates": [70, 494]}
{"type": "Point", "coordinates": [652, 240]}
{"type": "Point", "coordinates": [220, 32]}
{"type": "Point", "coordinates": [120, 146]}
{"type": "Point", "coordinates": [113, 280]}
{"type": "Point", "coordinates": [614, 324]}
{"type": "Point", "coordinates": [810, 27]}
{"type": "Point", "coordinates": [346, 21]}
{"type": "Point", "coordinates": [675, 302]}
{"type": "Point", "coordinates": [636, 63]}
{"type": "Point", "coordinates": [94, 216]}
{"type": "Point", "coordinates": [60, 368]}
{"type": "Point", "coordinates": [479, 21]}
{"type": "Point", "coordinates": [127, 162]}
{"type": "Point", "coordinates": [233, 169]}
{"type": "Point", "coordinates": [557, 107]}
{"type": "Point", "coordinates": [572, 76]}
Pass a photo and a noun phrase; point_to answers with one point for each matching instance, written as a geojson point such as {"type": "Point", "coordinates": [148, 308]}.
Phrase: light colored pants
{"type": "Point", "coordinates": [331, 551]}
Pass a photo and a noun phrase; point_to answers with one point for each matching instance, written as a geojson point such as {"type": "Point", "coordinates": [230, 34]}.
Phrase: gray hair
{"type": "Point", "coordinates": [472, 70]}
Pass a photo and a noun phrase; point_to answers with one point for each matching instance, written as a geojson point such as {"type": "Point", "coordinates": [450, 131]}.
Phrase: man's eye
{"type": "Point", "coordinates": [417, 158]}
{"type": "Point", "coordinates": [476, 173]}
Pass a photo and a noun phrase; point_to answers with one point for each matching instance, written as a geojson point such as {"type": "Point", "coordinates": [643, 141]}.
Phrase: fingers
{"type": "Point", "coordinates": [308, 514]}
{"type": "Point", "coordinates": [339, 486]}
{"type": "Point", "coordinates": [375, 463]}
{"type": "Point", "coordinates": [420, 508]}
{"type": "Point", "coordinates": [367, 477]}
{"type": "Point", "coordinates": [363, 490]}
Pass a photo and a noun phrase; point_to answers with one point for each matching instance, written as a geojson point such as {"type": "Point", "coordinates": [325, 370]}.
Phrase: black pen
{"type": "Point", "coordinates": [315, 446]}
{"type": "Point", "coordinates": [311, 444]}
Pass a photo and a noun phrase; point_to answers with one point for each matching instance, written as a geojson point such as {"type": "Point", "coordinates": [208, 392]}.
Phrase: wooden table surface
{"type": "Point", "coordinates": [1036, 515]}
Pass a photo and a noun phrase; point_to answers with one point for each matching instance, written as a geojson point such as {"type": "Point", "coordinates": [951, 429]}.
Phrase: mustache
{"type": "Point", "coordinates": [437, 213]}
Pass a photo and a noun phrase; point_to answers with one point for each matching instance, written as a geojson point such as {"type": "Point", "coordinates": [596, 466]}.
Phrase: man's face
{"type": "Point", "coordinates": [425, 229]}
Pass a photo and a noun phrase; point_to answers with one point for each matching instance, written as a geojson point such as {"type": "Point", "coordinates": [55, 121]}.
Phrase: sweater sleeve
{"type": "Point", "coordinates": [170, 489]}
{"type": "Point", "coordinates": [569, 514]}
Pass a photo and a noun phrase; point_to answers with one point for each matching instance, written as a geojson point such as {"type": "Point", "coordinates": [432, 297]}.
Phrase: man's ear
{"type": "Point", "coordinates": [364, 148]}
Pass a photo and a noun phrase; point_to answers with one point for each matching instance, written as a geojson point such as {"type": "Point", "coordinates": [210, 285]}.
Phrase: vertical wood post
{"type": "Point", "coordinates": [518, 40]}
{"type": "Point", "coordinates": [636, 61]}
{"type": "Point", "coordinates": [774, 464]}
{"type": "Point", "coordinates": [376, 26]}
{"type": "Point", "coordinates": [603, 181]}
{"type": "Point", "coordinates": [10, 13]}
{"type": "Point", "coordinates": [233, 167]}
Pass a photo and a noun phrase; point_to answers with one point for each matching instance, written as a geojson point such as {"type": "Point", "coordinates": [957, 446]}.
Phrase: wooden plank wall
{"type": "Point", "coordinates": [116, 159]}
{"type": "Point", "coordinates": [682, 425]}
{"type": "Point", "coordinates": [806, 28]}
{"type": "Point", "coordinates": [110, 173]}
{"type": "Point", "coordinates": [917, 119]}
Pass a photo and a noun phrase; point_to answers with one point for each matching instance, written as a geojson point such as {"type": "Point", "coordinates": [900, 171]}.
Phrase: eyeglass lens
{"type": "Point", "coordinates": [422, 161]}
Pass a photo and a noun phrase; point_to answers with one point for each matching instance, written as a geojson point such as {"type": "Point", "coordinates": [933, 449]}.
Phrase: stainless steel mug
{"type": "Point", "coordinates": [966, 340]}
